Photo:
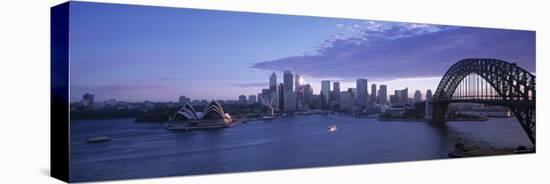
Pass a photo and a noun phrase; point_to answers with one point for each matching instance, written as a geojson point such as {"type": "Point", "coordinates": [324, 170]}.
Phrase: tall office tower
{"type": "Point", "coordinates": [373, 99]}
{"type": "Point", "coordinates": [336, 91]}
{"type": "Point", "coordinates": [353, 91]}
{"type": "Point", "coordinates": [290, 101]}
{"type": "Point", "coordinates": [346, 101]}
{"type": "Point", "coordinates": [299, 91]}
{"type": "Point", "coordinates": [383, 95]}
{"type": "Point", "coordinates": [362, 92]}
{"type": "Point", "coordinates": [290, 96]}
{"type": "Point", "coordinates": [417, 96]}
{"type": "Point", "coordinates": [393, 99]}
{"type": "Point", "coordinates": [264, 97]}
{"type": "Point", "coordinates": [428, 109]}
{"type": "Point", "coordinates": [288, 81]}
{"type": "Point", "coordinates": [300, 95]}
{"type": "Point", "coordinates": [325, 93]}
{"type": "Point", "coordinates": [273, 82]}
{"type": "Point", "coordinates": [251, 99]}
{"type": "Point", "coordinates": [281, 97]}
{"type": "Point", "coordinates": [242, 99]}
{"type": "Point", "coordinates": [273, 94]}
{"type": "Point", "coordinates": [404, 98]}
{"type": "Point", "coordinates": [397, 97]}
{"type": "Point", "coordinates": [308, 95]}
{"type": "Point", "coordinates": [401, 97]}
{"type": "Point", "coordinates": [297, 81]}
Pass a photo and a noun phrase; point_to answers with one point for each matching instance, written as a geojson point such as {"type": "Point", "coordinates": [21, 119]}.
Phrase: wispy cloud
{"type": "Point", "coordinates": [385, 51]}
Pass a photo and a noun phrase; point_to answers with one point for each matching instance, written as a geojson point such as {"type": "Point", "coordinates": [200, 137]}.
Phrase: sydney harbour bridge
{"type": "Point", "coordinates": [492, 82]}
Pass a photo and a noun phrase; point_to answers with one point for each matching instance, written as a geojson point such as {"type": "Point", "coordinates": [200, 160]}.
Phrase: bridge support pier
{"type": "Point", "coordinates": [438, 111]}
{"type": "Point", "coordinates": [526, 117]}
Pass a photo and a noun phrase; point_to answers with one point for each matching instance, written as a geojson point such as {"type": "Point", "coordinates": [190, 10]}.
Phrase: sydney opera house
{"type": "Point", "coordinates": [213, 116]}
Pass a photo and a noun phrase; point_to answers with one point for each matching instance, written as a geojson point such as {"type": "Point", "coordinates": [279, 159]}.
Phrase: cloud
{"type": "Point", "coordinates": [383, 51]}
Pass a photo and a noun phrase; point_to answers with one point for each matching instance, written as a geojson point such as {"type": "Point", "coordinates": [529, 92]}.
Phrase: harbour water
{"type": "Point", "coordinates": [139, 150]}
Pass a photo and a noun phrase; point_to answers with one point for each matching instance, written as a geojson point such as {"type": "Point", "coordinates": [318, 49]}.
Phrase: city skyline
{"type": "Point", "coordinates": [157, 54]}
{"type": "Point", "coordinates": [296, 81]}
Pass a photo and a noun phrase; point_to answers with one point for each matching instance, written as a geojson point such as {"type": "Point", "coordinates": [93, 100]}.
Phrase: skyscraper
{"type": "Point", "coordinates": [273, 82]}
{"type": "Point", "coordinates": [288, 81]}
{"type": "Point", "coordinates": [401, 97]}
{"type": "Point", "coordinates": [346, 100]}
{"type": "Point", "coordinates": [373, 99]}
{"type": "Point", "coordinates": [404, 98]}
{"type": "Point", "coordinates": [299, 91]}
{"type": "Point", "coordinates": [362, 92]}
{"type": "Point", "coordinates": [308, 95]}
{"type": "Point", "coordinates": [428, 109]}
{"type": "Point", "coordinates": [281, 97]}
{"type": "Point", "coordinates": [417, 96]}
{"type": "Point", "coordinates": [242, 99]}
{"type": "Point", "coordinates": [251, 99]}
{"type": "Point", "coordinates": [273, 94]}
{"type": "Point", "coordinates": [297, 82]}
{"type": "Point", "coordinates": [325, 93]}
{"type": "Point", "coordinates": [336, 91]}
{"type": "Point", "coordinates": [383, 95]}
{"type": "Point", "coordinates": [290, 96]}
{"type": "Point", "coordinates": [264, 97]}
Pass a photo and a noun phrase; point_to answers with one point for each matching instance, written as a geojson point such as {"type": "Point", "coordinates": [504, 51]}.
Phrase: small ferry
{"type": "Point", "coordinates": [332, 128]}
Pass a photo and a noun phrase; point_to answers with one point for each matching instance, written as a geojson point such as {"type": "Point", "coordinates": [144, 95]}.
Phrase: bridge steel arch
{"type": "Point", "coordinates": [515, 88]}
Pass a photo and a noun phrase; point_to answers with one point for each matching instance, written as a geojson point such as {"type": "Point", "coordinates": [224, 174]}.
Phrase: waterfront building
{"type": "Point", "coordinates": [251, 99]}
{"type": "Point", "coordinates": [87, 100]}
{"type": "Point", "coordinates": [346, 101]}
{"type": "Point", "coordinates": [299, 90]}
{"type": "Point", "coordinates": [428, 110]}
{"type": "Point", "coordinates": [373, 99]}
{"type": "Point", "coordinates": [212, 115]}
{"type": "Point", "coordinates": [362, 92]}
{"type": "Point", "coordinates": [383, 95]}
{"type": "Point", "coordinates": [297, 81]}
{"type": "Point", "coordinates": [264, 97]}
{"type": "Point", "coordinates": [281, 97]}
{"type": "Point", "coordinates": [290, 101]}
{"type": "Point", "coordinates": [404, 98]}
{"type": "Point", "coordinates": [417, 96]}
{"type": "Point", "coordinates": [316, 102]}
{"type": "Point", "coordinates": [274, 95]}
{"type": "Point", "coordinates": [183, 100]}
{"type": "Point", "coordinates": [325, 93]}
{"type": "Point", "coordinates": [336, 91]}
{"type": "Point", "coordinates": [401, 97]}
{"type": "Point", "coordinates": [393, 99]}
{"type": "Point", "coordinates": [288, 81]}
{"type": "Point", "coordinates": [289, 95]}
{"type": "Point", "coordinates": [242, 99]}
{"type": "Point", "coordinates": [308, 95]}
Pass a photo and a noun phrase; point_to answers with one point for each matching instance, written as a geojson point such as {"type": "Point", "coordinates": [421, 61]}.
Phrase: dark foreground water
{"type": "Point", "coordinates": [148, 150]}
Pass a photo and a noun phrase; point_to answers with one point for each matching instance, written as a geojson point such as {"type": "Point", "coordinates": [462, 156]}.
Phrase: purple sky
{"type": "Point", "coordinates": [138, 53]}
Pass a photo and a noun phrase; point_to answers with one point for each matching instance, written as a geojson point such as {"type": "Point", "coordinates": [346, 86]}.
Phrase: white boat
{"type": "Point", "coordinates": [332, 128]}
